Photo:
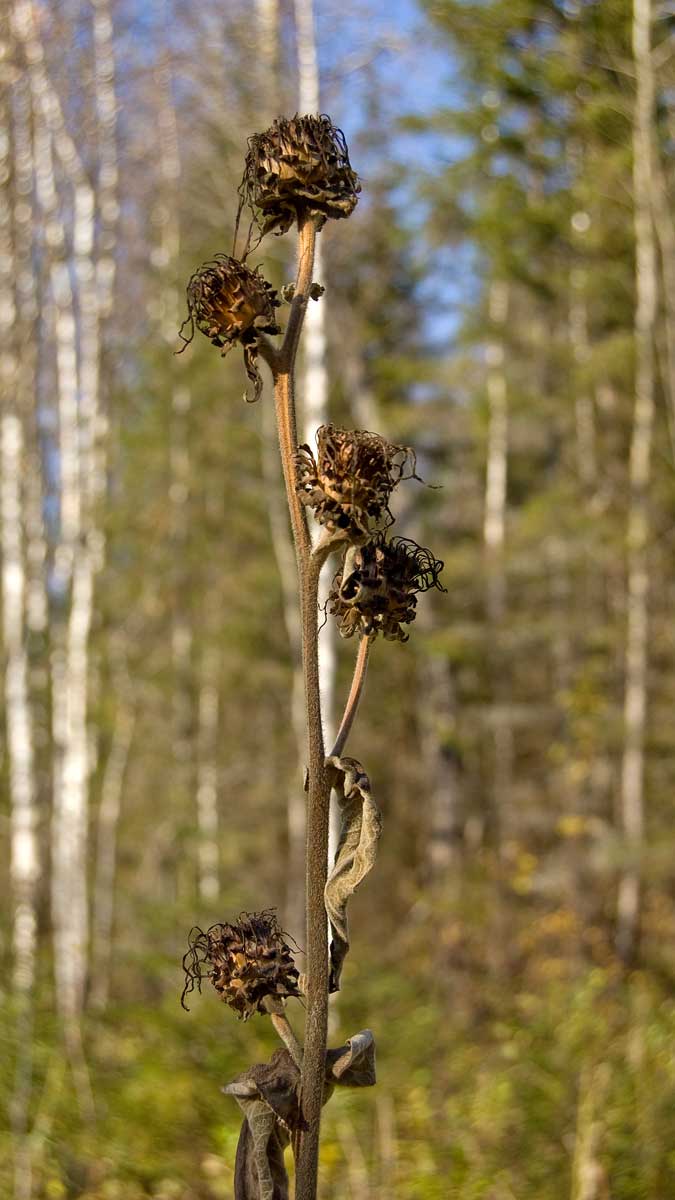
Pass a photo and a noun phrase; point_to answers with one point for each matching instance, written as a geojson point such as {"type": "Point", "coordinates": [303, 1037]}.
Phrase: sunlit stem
{"type": "Point", "coordinates": [354, 697]}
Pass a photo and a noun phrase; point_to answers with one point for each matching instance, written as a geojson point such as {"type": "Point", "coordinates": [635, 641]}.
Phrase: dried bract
{"type": "Point", "coordinates": [350, 481]}
{"type": "Point", "coordinates": [376, 590]}
{"type": "Point", "coordinates": [229, 302]}
{"type": "Point", "coordinates": [298, 165]}
{"type": "Point", "coordinates": [247, 962]}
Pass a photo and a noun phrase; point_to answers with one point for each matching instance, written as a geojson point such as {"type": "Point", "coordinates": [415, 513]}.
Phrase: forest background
{"type": "Point", "coordinates": [503, 300]}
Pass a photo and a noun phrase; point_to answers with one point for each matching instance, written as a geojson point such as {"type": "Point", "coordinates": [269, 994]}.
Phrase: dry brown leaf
{"type": "Point", "coordinates": [353, 1065]}
{"type": "Point", "coordinates": [267, 1093]}
{"type": "Point", "coordinates": [360, 827]}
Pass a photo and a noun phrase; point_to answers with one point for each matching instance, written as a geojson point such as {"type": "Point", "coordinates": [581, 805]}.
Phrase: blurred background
{"type": "Point", "coordinates": [503, 300]}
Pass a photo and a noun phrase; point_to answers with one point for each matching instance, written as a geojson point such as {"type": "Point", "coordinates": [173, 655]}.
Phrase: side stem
{"type": "Point", "coordinates": [354, 697]}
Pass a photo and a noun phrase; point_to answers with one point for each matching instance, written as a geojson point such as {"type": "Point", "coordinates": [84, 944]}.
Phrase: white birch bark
{"type": "Point", "coordinates": [314, 387]}
{"type": "Point", "coordinates": [19, 725]}
{"type": "Point", "coordinates": [69, 196]}
{"type": "Point", "coordinates": [24, 218]}
{"type": "Point", "coordinates": [636, 659]}
{"type": "Point", "coordinates": [23, 591]}
{"type": "Point", "coordinates": [69, 828]}
{"type": "Point", "coordinates": [267, 13]}
{"type": "Point", "coordinates": [494, 532]}
{"type": "Point", "coordinates": [24, 858]}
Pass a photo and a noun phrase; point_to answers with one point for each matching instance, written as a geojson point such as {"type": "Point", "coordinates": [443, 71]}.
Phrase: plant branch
{"type": "Point", "coordinates": [354, 697]}
{"type": "Point", "coordinates": [285, 1030]}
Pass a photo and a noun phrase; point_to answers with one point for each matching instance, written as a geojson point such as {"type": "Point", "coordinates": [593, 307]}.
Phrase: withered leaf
{"type": "Point", "coordinates": [259, 1169]}
{"type": "Point", "coordinates": [353, 1065]}
{"type": "Point", "coordinates": [360, 827]}
{"type": "Point", "coordinates": [267, 1093]}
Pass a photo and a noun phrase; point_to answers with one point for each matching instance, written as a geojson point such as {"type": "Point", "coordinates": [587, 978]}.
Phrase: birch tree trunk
{"type": "Point", "coordinates": [314, 387]}
{"type": "Point", "coordinates": [494, 527]}
{"type": "Point", "coordinates": [636, 663]}
{"type": "Point", "coordinates": [24, 863]}
{"type": "Point", "coordinates": [79, 551]}
{"type": "Point", "coordinates": [282, 543]}
{"type": "Point", "coordinates": [69, 906]}
{"type": "Point", "coordinates": [23, 552]}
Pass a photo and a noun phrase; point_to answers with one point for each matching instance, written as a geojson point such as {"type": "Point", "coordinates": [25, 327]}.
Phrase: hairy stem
{"type": "Point", "coordinates": [354, 697]}
{"type": "Point", "coordinates": [309, 569]}
{"type": "Point", "coordinates": [286, 1032]}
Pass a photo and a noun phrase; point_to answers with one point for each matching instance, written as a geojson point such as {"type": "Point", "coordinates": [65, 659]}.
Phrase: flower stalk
{"type": "Point", "coordinates": [318, 786]}
{"type": "Point", "coordinates": [298, 172]}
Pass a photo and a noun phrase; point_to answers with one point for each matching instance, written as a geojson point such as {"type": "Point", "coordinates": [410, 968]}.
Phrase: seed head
{"type": "Point", "coordinates": [246, 962]}
{"type": "Point", "coordinates": [229, 302]}
{"type": "Point", "coordinates": [350, 481]}
{"type": "Point", "coordinates": [299, 164]}
{"type": "Point", "coordinates": [376, 590]}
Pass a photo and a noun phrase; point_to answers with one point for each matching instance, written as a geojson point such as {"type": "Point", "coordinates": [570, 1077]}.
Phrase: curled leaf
{"type": "Point", "coordinates": [259, 1168]}
{"type": "Point", "coordinates": [353, 1065]}
{"type": "Point", "coordinates": [360, 827]}
{"type": "Point", "coordinates": [268, 1094]}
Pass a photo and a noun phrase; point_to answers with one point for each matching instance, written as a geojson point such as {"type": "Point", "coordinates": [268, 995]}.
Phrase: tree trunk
{"type": "Point", "coordinates": [314, 386]}
{"type": "Point", "coordinates": [635, 693]}
{"type": "Point", "coordinates": [494, 531]}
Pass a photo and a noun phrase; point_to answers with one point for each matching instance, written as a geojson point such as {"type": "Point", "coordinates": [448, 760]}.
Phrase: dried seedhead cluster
{"type": "Point", "coordinates": [376, 589]}
{"type": "Point", "coordinates": [247, 963]}
{"type": "Point", "coordinates": [229, 303]}
{"type": "Point", "coordinates": [349, 483]}
{"type": "Point", "coordinates": [298, 164]}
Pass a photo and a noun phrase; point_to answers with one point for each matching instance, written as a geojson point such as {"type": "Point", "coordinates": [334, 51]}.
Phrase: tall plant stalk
{"type": "Point", "coordinates": [298, 173]}
{"type": "Point", "coordinates": [318, 787]}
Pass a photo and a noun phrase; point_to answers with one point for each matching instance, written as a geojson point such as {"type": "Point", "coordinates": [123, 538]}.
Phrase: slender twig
{"type": "Point", "coordinates": [355, 693]}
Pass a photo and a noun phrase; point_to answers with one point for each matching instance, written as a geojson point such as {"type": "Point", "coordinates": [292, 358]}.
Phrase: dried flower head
{"type": "Point", "coordinates": [229, 302]}
{"type": "Point", "coordinates": [247, 962]}
{"type": "Point", "coordinates": [350, 481]}
{"type": "Point", "coordinates": [299, 164]}
{"type": "Point", "coordinates": [376, 590]}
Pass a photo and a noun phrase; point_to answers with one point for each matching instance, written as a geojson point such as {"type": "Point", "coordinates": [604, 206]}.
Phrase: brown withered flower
{"type": "Point", "coordinates": [299, 164]}
{"type": "Point", "coordinates": [376, 590]}
{"type": "Point", "coordinates": [229, 302]}
{"type": "Point", "coordinates": [247, 963]}
{"type": "Point", "coordinates": [350, 481]}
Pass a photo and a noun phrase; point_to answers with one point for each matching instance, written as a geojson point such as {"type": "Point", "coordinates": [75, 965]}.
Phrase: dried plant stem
{"type": "Point", "coordinates": [354, 697]}
{"type": "Point", "coordinates": [309, 569]}
{"type": "Point", "coordinates": [285, 1030]}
